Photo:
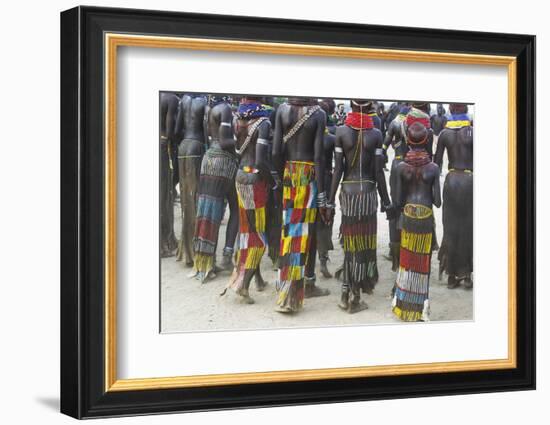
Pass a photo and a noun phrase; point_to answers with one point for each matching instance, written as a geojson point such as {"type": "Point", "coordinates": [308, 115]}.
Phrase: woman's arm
{"type": "Point", "coordinates": [338, 167]}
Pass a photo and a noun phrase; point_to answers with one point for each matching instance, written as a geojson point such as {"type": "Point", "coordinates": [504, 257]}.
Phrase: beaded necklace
{"type": "Point", "coordinates": [359, 121]}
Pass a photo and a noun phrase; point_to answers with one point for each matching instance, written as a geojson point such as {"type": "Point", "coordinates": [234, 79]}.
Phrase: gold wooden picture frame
{"type": "Point", "coordinates": [115, 41]}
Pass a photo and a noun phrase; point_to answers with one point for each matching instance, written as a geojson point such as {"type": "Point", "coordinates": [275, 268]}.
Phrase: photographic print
{"type": "Point", "coordinates": [317, 192]}
{"type": "Point", "coordinates": [292, 212]}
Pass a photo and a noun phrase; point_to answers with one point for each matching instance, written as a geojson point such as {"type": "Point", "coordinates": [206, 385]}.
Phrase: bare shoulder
{"type": "Point", "coordinates": [341, 130]}
{"type": "Point", "coordinates": [320, 115]}
{"type": "Point", "coordinates": [394, 127]}
{"type": "Point", "coordinates": [375, 133]}
{"type": "Point", "coordinates": [201, 101]}
{"type": "Point", "coordinates": [445, 135]}
{"type": "Point", "coordinates": [220, 109]}
{"type": "Point", "coordinates": [173, 99]}
{"type": "Point", "coordinates": [402, 166]}
{"type": "Point", "coordinates": [283, 108]}
{"type": "Point", "coordinates": [265, 125]}
{"type": "Point", "coordinates": [215, 111]}
{"type": "Point", "coordinates": [432, 167]}
{"type": "Point", "coordinates": [395, 124]}
{"type": "Point", "coordinates": [466, 133]}
{"type": "Point", "coordinates": [185, 100]}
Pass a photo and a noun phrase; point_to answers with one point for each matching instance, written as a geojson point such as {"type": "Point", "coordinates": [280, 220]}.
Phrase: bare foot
{"type": "Point", "coordinates": [356, 307]}
{"type": "Point", "coordinates": [260, 285]}
{"type": "Point", "coordinates": [227, 263]}
{"type": "Point", "coordinates": [452, 282]}
{"type": "Point", "coordinates": [247, 299]}
{"type": "Point", "coordinates": [324, 271]}
{"type": "Point", "coordinates": [344, 301]}
{"type": "Point", "coordinates": [338, 274]}
{"type": "Point", "coordinates": [313, 291]}
{"type": "Point", "coordinates": [245, 296]}
{"type": "Point", "coordinates": [205, 277]}
{"type": "Point", "coordinates": [166, 253]}
{"type": "Point", "coordinates": [285, 310]}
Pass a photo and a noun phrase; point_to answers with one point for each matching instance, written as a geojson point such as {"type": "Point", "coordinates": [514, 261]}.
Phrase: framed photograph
{"type": "Point", "coordinates": [261, 212]}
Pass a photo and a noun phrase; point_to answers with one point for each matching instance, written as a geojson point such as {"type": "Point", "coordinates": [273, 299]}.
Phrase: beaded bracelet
{"type": "Point", "coordinates": [322, 199]}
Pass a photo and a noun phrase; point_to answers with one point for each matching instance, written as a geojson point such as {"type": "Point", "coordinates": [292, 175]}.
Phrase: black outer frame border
{"type": "Point", "coordinates": [82, 206]}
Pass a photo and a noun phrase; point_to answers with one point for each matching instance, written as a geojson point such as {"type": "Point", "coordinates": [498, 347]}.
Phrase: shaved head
{"type": "Point", "coordinates": [328, 106]}
{"type": "Point", "coordinates": [358, 105]}
{"type": "Point", "coordinates": [423, 106]}
{"type": "Point", "coordinates": [458, 108]}
{"type": "Point", "coordinates": [417, 133]}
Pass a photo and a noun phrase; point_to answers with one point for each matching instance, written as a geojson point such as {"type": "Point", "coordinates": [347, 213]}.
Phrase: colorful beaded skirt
{"type": "Point", "coordinates": [299, 213]}
{"type": "Point", "coordinates": [412, 284]}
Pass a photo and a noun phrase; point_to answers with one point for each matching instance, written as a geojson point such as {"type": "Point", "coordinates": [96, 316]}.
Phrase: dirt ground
{"type": "Point", "coordinates": [186, 305]}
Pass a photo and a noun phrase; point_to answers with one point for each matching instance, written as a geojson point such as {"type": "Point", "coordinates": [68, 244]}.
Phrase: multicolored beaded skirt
{"type": "Point", "coordinates": [299, 213]}
{"type": "Point", "coordinates": [359, 239]}
{"type": "Point", "coordinates": [218, 171]}
{"type": "Point", "coordinates": [412, 285]}
{"type": "Point", "coordinates": [252, 240]}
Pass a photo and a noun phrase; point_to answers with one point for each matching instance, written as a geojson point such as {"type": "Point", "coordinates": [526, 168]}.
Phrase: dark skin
{"type": "Point", "coordinates": [391, 113]}
{"type": "Point", "coordinates": [394, 135]}
{"type": "Point", "coordinates": [425, 107]}
{"type": "Point", "coordinates": [459, 146]}
{"type": "Point", "coordinates": [438, 120]}
{"type": "Point", "coordinates": [255, 156]}
{"type": "Point", "coordinates": [396, 139]}
{"type": "Point", "coordinates": [169, 106]}
{"type": "Point", "coordinates": [368, 165]}
{"type": "Point", "coordinates": [191, 131]}
{"type": "Point", "coordinates": [379, 108]}
{"type": "Point", "coordinates": [168, 111]}
{"type": "Point", "coordinates": [190, 123]}
{"type": "Point", "coordinates": [222, 136]}
{"type": "Point", "coordinates": [329, 138]}
{"type": "Point", "coordinates": [273, 213]}
{"type": "Point", "coordinates": [305, 145]}
{"type": "Point", "coordinates": [329, 141]}
{"type": "Point", "coordinates": [372, 165]}
{"type": "Point", "coordinates": [329, 107]}
{"type": "Point", "coordinates": [418, 185]}
{"type": "Point", "coordinates": [373, 109]}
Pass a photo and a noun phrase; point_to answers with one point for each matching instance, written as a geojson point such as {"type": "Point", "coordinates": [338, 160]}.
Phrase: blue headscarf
{"type": "Point", "coordinates": [254, 110]}
{"type": "Point", "coordinates": [404, 110]}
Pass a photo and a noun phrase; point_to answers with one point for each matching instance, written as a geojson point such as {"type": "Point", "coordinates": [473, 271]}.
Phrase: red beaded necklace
{"type": "Point", "coordinates": [417, 158]}
{"type": "Point", "coordinates": [359, 121]}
